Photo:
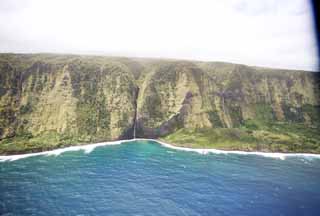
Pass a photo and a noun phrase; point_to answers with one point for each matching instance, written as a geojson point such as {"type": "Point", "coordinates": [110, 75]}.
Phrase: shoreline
{"type": "Point", "coordinates": [88, 148]}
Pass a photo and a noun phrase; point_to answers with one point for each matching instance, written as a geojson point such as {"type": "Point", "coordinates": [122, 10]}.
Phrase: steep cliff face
{"type": "Point", "coordinates": [56, 102]}
{"type": "Point", "coordinates": [49, 101]}
{"type": "Point", "coordinates": [171, 97]}
{"type": "Point", "coordinates": [191, 95]}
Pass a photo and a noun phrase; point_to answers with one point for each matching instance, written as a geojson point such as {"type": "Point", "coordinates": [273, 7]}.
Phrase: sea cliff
{"type": "Point", "coordinates": [50, 101]}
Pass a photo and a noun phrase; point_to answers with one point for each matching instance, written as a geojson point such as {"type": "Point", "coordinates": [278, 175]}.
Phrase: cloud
{"type": "Point", "coordinates": [272, 7]}
{"type": "Point", "coordinates": [266, 33]}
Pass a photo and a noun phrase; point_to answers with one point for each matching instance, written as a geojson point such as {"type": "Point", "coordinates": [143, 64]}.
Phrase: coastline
{"type": "Point", "coordinates": [88, 148]}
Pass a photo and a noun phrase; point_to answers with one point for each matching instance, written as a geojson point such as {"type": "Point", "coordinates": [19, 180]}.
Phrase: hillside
{"type": "Point", "coordinates": [49, 101]}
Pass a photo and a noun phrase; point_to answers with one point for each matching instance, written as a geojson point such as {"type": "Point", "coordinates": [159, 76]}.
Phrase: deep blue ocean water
{"type": "Point", "coordinates": [144, 178]}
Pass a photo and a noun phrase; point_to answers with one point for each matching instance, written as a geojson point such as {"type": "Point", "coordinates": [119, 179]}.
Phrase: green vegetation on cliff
{"type": "Point", "coordinates": [49, 101]}
{"type": "Point", "coordinates": [278, 137]}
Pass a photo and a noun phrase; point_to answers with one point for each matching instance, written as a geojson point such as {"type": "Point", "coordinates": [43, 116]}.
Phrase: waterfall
{"type": "Point", "coordinates": [134, 129]}
{"type": "Point", "coordinates": [136, 113]}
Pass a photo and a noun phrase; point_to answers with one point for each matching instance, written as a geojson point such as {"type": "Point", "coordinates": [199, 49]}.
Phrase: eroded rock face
{"type": "Point", "coordinates": [198, 95]}
{"type": "Point", "coordinates": [171, 98]}
{"type": "Point", "coordinates": [74, 98]}
{"type": "Point", "coordinates": [69, 99]}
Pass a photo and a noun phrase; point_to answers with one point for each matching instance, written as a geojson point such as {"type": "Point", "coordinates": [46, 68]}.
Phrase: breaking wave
{"type": "Point", "coordinates": [90, 147]}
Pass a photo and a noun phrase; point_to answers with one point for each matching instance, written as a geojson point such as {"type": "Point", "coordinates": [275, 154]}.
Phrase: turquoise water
{"type": "Point", "coordinates": [144, 178]}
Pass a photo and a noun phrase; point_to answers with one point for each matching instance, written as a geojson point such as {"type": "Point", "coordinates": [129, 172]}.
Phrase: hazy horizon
{"type": "Point", "coordinates": [275, 34]}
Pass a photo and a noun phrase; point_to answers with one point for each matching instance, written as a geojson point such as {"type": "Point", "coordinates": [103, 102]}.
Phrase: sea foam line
{"type": "Point", "coordinates": [278, 155]}
{"type": "Point", "coordinates": [88, 148]}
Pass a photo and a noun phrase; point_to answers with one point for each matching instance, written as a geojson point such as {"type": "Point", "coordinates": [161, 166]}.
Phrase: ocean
{"type": "Point", "coordinates": [146, 178]}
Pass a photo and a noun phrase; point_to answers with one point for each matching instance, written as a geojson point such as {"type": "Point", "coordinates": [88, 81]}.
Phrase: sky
{"type": "Point", "coordinates": [271, 33]}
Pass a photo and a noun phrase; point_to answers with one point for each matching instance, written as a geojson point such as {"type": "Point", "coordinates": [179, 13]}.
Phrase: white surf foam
{"type": "Point", "coordinates": [90, 147]}
{"type": "Point", "coordinates": [278, 155]}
